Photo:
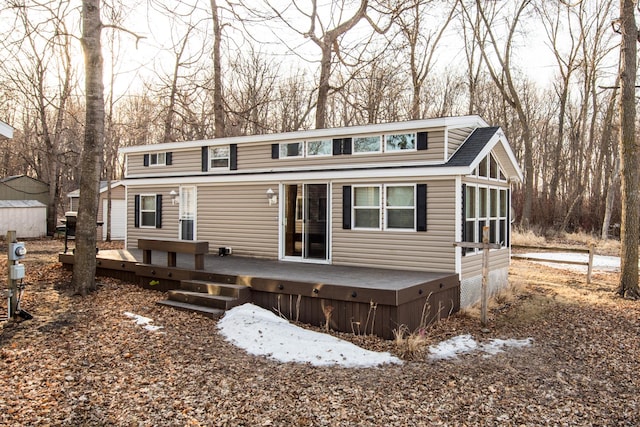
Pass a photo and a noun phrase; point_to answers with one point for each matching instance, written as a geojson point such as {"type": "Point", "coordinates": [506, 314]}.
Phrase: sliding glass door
{"type": "Point", "coordinates": [306, 221]}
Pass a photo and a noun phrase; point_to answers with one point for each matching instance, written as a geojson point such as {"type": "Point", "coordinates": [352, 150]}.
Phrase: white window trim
{"type": "Point", "coordinates": [157, 163]}
{"type": "Point", "coordinates": [212, 158]}
{"type": "Point", "coordinates": [155, 211]}
{"type": "Point", "coordinates": [301, 153]}
{"type": "Point", "coordinates": [308, 153]}
{"type": "Point", "coordinates": [380, 207]}
{"type": "Point", "coordinates": [477, 238]}
{"type": "Point", "coordinates": [360, 153]}
{"type": "Point", "coordinates": [386, 208]}
{"type": "Point", "coordinates": [407, 150]}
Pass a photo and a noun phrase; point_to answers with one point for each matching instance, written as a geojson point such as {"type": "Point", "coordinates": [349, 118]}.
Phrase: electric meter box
{"type": "Point", "coordinates": [17, 251]}
{"type": "Point", "coordinates": [16, 272]}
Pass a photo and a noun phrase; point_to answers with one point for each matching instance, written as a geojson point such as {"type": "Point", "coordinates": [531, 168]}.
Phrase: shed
{"type": "Point", "coordinates": [27, 217]}
{"type": "Point", "coordinates": [23, 187]}
{"type": "Point", "coordinates": [118, 209]}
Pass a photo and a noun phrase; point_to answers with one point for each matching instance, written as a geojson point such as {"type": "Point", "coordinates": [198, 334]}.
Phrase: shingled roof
{"type": "Point", "coordinates": [472, 147]}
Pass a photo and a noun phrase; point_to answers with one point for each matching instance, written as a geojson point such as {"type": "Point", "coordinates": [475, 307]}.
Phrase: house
{"type": "Point", "coordinates": [393, 195]}
{"type": "Point", "coordinates": [118, 209]}
{"type": "Point", "coordinates": [6, 131]}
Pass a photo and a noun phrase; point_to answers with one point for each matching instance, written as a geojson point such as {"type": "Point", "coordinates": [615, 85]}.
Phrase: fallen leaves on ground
{"type": "Point", "coordinates": [83, 361]}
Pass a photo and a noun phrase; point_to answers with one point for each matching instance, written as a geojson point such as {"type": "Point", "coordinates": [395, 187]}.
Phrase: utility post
{"type": "Point", "coordinates": [15, 252]}
{"type": "Point", "coordinates": [485, 246]}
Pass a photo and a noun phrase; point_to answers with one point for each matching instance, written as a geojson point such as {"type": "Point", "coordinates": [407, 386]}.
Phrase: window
{"type": "Point", "coordinates": [157, 159]}
{"type": "Point", "coordinates": [293, 149]}
{"type": "Point", "coordinates": [148, 210]}
{"type": "Point", "coordinates": [219, 157]}
{"type": "Point", "coordinates": [400, 208]}
{"type": "Point", "coordinates": [320, 148]}
{"type": "Point", "coordinates": [485, 206]}
{"type": "Point", "coordinates": [367, 144]}
{"type": "Point", "coordinates": [400, 142]}
{"type": "Point", "coordinates": [493, 168]}
{"type": "Point", "coordinates": [366, 207]}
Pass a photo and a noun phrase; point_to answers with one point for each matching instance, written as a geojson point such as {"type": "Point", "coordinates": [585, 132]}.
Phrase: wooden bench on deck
{"type": "Point", "coordinates": [172, 247]}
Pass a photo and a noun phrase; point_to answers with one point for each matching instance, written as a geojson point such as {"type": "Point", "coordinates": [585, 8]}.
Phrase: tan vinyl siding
{"type": "Point", "coordinates": [238, 216]}
{"type": "Point", "coordinates": [456, 138]}
{"type": "Point", "coordinates": [472, 264]}
{"type": "Point", "coordinates": [183, 162]}
{"type": "Point", "coordinates": [170, 214]}
{"type": "Point", "coordinates": [412, 250]}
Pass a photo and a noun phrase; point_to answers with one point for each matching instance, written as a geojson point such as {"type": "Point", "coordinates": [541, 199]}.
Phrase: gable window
{"type": "Point", "coordinates": [400, 142]}
{"type": "Point", "coordinates": [319, 148]}
{"type": "Point", "coordinates": [366, 144]}
{"type": "Point", "coordinates": [219, 157]}
{"type": "Point", "coordinates": [292, 149]}
{"type": "Point", "coordinates": [366, 207]}
{"type": "Point", "coordinates": [485, 206]}
{"type": "Point", "coordinates": [400, 207]}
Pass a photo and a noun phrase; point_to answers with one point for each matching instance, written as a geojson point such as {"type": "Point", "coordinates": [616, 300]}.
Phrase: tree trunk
{"type": "Point", "coordinates": [323, 85]}
{"type": "Point", "coordinates": [84, 267]}
{"type": "Point", "coordinates": [629, 154]}
{"type": "Point", "coordinates": [614, 181]}
{"type": "Point", "coordinates": [218, 106]}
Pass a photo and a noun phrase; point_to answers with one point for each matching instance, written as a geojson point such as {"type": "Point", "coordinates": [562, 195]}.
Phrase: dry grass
{"type": "Point", "coordinates": [609, 247]}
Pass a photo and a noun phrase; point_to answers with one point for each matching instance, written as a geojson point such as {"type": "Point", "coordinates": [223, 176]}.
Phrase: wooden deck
{"type": "Point", "coordinates": [361, 300]}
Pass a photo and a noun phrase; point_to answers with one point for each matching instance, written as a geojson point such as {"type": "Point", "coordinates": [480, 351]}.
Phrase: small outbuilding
{"type": "Point", "coordinates": [118, 209]}
{"type": "Point", "coordinates": [27, 217]}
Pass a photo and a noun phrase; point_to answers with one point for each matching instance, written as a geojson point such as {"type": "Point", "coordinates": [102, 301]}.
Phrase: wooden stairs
{"type": "Point", "coordinates": [207, 298]}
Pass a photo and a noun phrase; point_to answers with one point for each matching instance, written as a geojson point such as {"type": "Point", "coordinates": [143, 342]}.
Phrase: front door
{"type": "Point", "coordinates": [187, 218]}
{"type": "Point", "coordinates": [306, 221]}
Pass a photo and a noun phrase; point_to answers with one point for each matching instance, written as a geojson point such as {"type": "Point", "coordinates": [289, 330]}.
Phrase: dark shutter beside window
{"type": "Point", "coordinates": [136, 210]}
{"type": "Point", "coordinates": [508, 239]}
{"type": "Point", "coordinates": [464, 217]}
{"type": "Point", "coordinates": [205, 159]}
{"type": "Point", "coordinates": [421, 206]}
{"type": "Point", "coordinates": [346, 145]}
{"type": "Point", "coordinates": [337, 147]}
{"type": "Point", "coordinates": [168, 158]}
{"type": "Point", "coordinates": [145, 160]}
{"type": "Point", "coordinates": [422, 140]}
{"type": "Point", "coordinates": [233, 157]}
{"type": "Point", "coordinates": [159, 211]}
{"type": "Point", "coordinates": [275, 151]}
{"type": "Point", "coordinates": [346, 207]}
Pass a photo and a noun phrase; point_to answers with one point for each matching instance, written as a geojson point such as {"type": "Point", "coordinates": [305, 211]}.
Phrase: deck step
{"type": "Point", "coordinates": [205, 311]}
{"type": "Point", "coordinates": [211, 288]}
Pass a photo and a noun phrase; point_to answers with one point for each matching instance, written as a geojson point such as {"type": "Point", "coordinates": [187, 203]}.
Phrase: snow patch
{"type": "Point", "coordinates": [143, 321]}
{"type": "Point", "coordinates": [600, 262]}
{"type": "Point", "coordinates": [463, 344]}
{"type": "Point", "coordinates": [261, 332]}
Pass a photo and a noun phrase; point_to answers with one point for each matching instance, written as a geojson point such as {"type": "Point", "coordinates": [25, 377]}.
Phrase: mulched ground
{"type": "Point", "coordinates": [81, 361]}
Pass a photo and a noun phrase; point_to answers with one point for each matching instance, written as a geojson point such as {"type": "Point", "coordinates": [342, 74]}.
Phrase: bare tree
{"type": "Point", "coordinates": [629, 153]}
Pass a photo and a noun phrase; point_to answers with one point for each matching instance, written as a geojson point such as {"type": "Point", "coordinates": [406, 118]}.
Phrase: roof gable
{"type": "Point", "coordinates": [479, 144]}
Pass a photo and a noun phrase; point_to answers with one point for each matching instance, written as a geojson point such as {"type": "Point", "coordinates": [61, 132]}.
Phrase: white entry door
{"type": "Point", "coordinates": [118, 218]}
{"type": "Point", "coordinates": [187, 213]}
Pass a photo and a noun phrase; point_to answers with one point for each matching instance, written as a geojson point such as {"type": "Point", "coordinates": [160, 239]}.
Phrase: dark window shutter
{"type": "Point", "coordinates": [168, 158]}
{"type": "Point", "coordinates": [158, 210]}
{"type": "Point", "coordinates": [275, 151]}
{"type": "Point", "coordinates": [421, 206]}
{"type": "Point", "coordinates": [145, 160]}
{"type": "Point", "coordinates": [346, 207]}
{"type": "Point", "coordinates": [205, 159]}
{"type": "Point", "coordinates": [422, 140]}
{"type": "Point", "coordinates": [346, 145]}
{"type": "Point", "coordinates": [337, 147]}
{"type": "Point", "coordinates": [136, 211]}
{"type": "Point", "coordinates": [233, 157]}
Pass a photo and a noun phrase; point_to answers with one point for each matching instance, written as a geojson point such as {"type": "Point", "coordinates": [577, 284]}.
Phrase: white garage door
{"type": "Point", "coordinates": [118, 218]}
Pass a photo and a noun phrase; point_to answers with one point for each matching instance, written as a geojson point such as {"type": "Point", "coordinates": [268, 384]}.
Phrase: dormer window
{"type": "Point", "coordinates": [219, 157]}
{"type": "Point", "coordinates": [367, 144]}
{"type": "Point", "coordinates": [157, 159]}
{"type": "Point", "coordinates": [400, 142]}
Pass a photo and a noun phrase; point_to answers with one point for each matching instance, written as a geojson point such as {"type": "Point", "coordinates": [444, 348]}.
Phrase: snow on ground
{"type": "Point", "coordinates": [261, 332]}
{"type": "Point", "coordinates": [143, 321]}
{"type": "Point", "coordinates": [462, 344]}
{"type": "Point", "coordinates": [600, 262]}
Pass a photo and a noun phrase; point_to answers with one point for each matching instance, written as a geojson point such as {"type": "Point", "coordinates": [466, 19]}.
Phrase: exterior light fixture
{"type": "Point", "coordinates": [272, 197]}
{"type": "Point", "coordinates": [174, 197]}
